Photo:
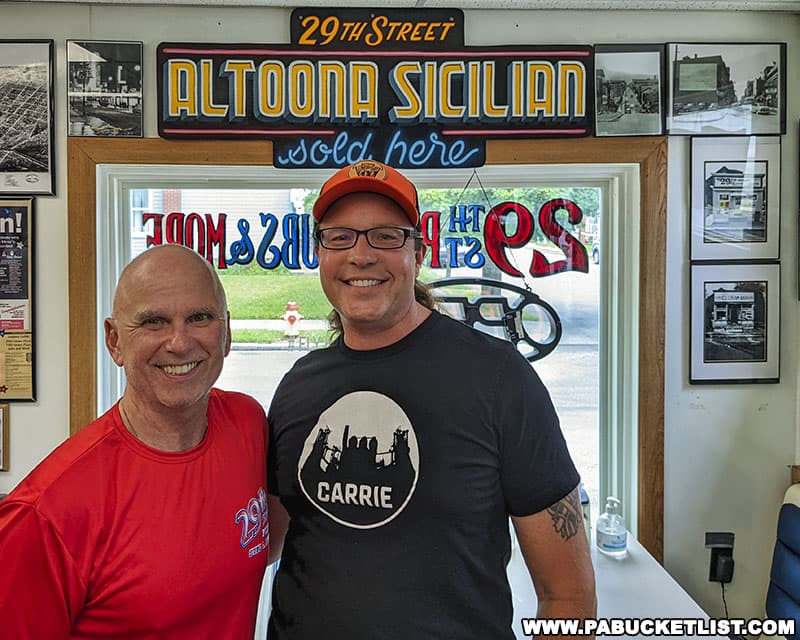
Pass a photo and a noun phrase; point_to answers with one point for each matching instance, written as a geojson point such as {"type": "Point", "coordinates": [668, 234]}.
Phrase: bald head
{"type": "Point", "coordinates": [170, 331]}
{"type": "Point", "coordinates": [164, 262]}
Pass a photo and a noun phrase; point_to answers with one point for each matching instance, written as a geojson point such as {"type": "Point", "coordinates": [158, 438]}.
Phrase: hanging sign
{"type": "Point", "coordinates": [393, 85]}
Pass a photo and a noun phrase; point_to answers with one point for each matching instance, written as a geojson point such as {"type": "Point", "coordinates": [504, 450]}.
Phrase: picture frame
{"type": "Point", "coordinates": [726, 88]}
{"type": "Point", "coordinates": [735, 323]}
{"type": "Point", "coordinates": [27, 154]}
{"type": "Point", "coordinates": [104, 88]}
{"type": "Point", "coordinates": [735, 198]}
{"type": "Point", "coordinates": [17, 296]}
{"type": "Point", "coordinates": [629, 90]}
{"type": "Point", "coordinates": [4, 437]}
{"type": "Point", "coordinates": [798, 249]}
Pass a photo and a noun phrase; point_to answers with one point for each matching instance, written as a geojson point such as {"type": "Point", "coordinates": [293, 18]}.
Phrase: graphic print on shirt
{"type": "Point", "coordinates": [254, 523]}
{"type": "Point", "coordinates": [360, 462]}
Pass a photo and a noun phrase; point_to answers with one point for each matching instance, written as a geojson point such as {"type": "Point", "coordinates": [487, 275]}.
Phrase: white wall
{"type": "Point", "coordinates": [726, 447]}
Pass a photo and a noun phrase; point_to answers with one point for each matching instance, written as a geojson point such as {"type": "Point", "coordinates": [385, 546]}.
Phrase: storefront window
{"type": "Point", "coordinates": [259, 240]}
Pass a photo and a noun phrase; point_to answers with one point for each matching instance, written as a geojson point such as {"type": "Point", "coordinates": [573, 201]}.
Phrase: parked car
{"type": "Point", "coordinates": [764, 109]}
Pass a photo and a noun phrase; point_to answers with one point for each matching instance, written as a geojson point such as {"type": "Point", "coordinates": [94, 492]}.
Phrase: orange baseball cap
{"type": "Point", "coordinates": [374, 177]}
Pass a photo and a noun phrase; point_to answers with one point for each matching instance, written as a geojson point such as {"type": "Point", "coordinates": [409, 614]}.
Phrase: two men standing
{"type": "Point", "coordinates": [396, 457]}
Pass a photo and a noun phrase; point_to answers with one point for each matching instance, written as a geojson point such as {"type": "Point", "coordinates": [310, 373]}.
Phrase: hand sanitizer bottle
{"type": "Point", "coordinates": [611, 536]}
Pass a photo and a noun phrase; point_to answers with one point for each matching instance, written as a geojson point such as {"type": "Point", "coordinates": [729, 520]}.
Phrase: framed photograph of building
{"type": "Point", "coordinates": [27, 157]}
{"type": "Point", "coordinates": [736, 198]}
{"type": "Point", "coordinates": [735, 323]}
{"type": "Point", "coordinates": [727, 89]}
{"type": "Point", "coordinates": [629, 90]}
{"type": "Point", "coordinates": [105, 88]}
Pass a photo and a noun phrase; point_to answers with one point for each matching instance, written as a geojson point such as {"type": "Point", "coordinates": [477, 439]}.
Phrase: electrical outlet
{"type": "Point", "coordinates": [719, 539]}
{"type": "Point", "coordinates": [721, 545]}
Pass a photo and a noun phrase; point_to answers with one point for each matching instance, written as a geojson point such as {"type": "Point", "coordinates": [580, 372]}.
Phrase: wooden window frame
{"type": "Point", "coordinates": [84, 154]}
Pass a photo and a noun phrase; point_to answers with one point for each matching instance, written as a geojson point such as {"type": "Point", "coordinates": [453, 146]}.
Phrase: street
{"type": "Point", "coordinates": [727, 120]}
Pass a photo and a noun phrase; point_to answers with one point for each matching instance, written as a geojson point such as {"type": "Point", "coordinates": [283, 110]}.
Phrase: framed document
{"type": "Point", "coordinates": [17, 380]}
{"type": "Point", "coordinates": [4, 437]}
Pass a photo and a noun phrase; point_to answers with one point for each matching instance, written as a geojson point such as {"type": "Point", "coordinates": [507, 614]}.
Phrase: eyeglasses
{"type": "Point", "coordinates": [340, 238]}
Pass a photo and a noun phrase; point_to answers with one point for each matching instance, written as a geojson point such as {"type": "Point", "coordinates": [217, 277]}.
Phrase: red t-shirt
{"type": "Point", "coordinates": [109, 538]}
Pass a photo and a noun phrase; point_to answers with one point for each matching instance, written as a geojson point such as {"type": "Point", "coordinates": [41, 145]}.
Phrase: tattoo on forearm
{"type": "Point", "coordinates": [567, 516]}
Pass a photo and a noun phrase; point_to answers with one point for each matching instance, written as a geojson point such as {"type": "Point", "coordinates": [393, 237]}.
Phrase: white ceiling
{"type": "Point", "coordinates": [691, 5]}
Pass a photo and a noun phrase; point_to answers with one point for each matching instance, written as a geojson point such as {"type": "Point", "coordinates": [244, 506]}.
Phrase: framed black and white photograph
{"type": "Point", "coordinates": [27, 157]}
{"type": "Point", "coordinates": [736, 198]}
{"type": "Point", "coordinates": [727, 89]}
{"type": "Point", "coordinates": [105, 88]}
{"type": "Point", "coordinates": [629, 90]}
{"type": "Point", "coordinates": [735, 323]}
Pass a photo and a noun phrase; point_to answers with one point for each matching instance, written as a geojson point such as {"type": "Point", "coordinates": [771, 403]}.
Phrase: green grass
{"type": "Point", "coordinates": [265, 297]}
{"type": "Point", "coordinates": [256, 335]}
{"type": "Point", "coordinates": [258, 294]}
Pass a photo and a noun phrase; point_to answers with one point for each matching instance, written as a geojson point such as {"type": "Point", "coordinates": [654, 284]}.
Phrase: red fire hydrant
{"type": "Point", "coordinates": [292, 317]}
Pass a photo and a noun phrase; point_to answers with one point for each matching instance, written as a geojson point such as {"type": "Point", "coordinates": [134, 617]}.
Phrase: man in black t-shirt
{"type": "Point", "coordinates": [398, 453]}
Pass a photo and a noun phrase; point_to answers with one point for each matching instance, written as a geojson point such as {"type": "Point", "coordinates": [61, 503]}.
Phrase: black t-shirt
{"type": "Point", "coordinates": [399, 467]}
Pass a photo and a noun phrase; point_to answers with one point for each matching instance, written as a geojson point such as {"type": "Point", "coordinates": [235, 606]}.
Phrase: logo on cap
{"type": "Point", "coordinates": [365, 168]}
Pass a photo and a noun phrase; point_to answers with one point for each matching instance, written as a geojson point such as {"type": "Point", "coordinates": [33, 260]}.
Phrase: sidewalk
{"type": "Point", "coordinates": [280, 325]}
{"type": "Point", "coordinates": [301, 343]}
